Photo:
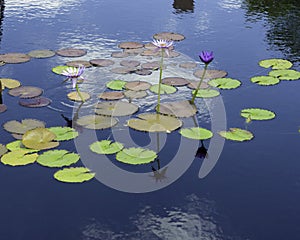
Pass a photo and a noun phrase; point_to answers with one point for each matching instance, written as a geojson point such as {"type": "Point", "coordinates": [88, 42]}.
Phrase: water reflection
{"type": "Point", "coordinates": [2, 6]}
{"type": "Point", "coordinates": [183, 6]}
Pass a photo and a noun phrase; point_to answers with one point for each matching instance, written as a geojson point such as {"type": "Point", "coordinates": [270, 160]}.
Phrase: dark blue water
{"type": "Point", "coordinates": [252, 192]}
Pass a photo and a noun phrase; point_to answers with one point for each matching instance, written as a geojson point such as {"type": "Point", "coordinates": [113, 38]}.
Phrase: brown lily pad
{"type": "Point", "coordinates": [119, 54]}
{"type": "Point", "coordinates": [79, 63]}
{"type": "Point", "coordinates": [151, 53]}
{"type": "Point", "coordinates": [188, 65]}
{"type": "Point", "coordinates": [115, 95]}
{"type": "Point", "coordinates": [133, 51]}
{"type": "Point", "coordinates": [122, 70]}
{"type": "Point", "coordinates": [9, 83]}
{"type": "Point", "coordinates": [14, 57]}
{"type": "Point", "coordinates": [40, 139]}
{"type": "Point", "coordinates": [26, 92]}
{"type": "Point", "coordinates": [130, 63]}
{"type": "Point", "coordinates": [143, 72]}
{"type": "Point", "coordinates": [178, 109]}
{"type": "Point", "coordinates": [71, 52]}
{"type": "Point", "coordinates": [137, 85]}
{"type": "Point", "coordinates": [17, 136]}
{"type": "Point", "coordinates": [175, 81]}
{"type": "Point", "coordinates": [116, 108]}
{"type": "Point", "coordinates": [172, 54]}
{"type": "Point", "coordinates": [101, 62]}
{"type": "Point", "coordinates": [96, 122]}
{"type": "Point", "coordinates": [3, 108]}
{"type": "Point", "coordinates": [135, 94]}
{"type": "Point", "coordinates": [169, 36]}
{"type": "Point", "coordinates": [17, 127]}
{"type": "Point", "coordinates": [35, 102]}
{"type": "Point", "coordinates": [44, 53]}
{"type": "Point", "coordinates": [151, 65]}
{"type": "Point", "coordinates": [210, 74]}
{"type": "Point", "coordinates": [194, 84]}
{"type": "Point", "coordinates": [130, 45]}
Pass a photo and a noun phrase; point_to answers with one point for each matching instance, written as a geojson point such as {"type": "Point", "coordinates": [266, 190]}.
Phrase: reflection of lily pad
{"type": "Point", "coordinates": [106, 147]}
{"type": "Point", "coordinates": [44, 53]}
{"type": "Point", "coordinates": [74, 175]}
{"type": "Point", "coordinates": [71, 52]}
{"type": "Point", "coordinates": [57, 158]}
{"type": "Point", "coordinates": [135, 94]}
{"type": "Point", "coordinates": [96, 122]}
{"type": "Point", "coordinates": [178, 109]}
{"type": "Point", "coordinates": [18, 158]}
{"type": "Point", "coordinates": [285, 74]}
{"type": "Point", "coordinates": [175, 81]}
{"type": "Point", "coordinates": [115, 95]}
{"type": "Point", "coordinates": [59, 69]}
{"type": "Point", "coordinates": [257, 114]}
{"type": "Point", "coordinates": [74, 96]}
{"type": "Point", "coordinates": [265, 80]}
{"type": "Point", "coordinates": [164, 89]}
{"type": "Point", "coordinates": [169, 36]}
{"type": "Point", "coordinates": [14, 58]}
{"type": "Point", "coordinates": [237, 134]}
{"type": "Point", "coordinates": [14, 126]}
{"type": "Point", "coordinates": [197, 133]}
{"type": "Point", "coordinates": [63, 133]}
{"type": "Point", "coordinates": [207, 93]}
{"type": "Point", "coordinates": [26, 92]}
{"type": "Point", "coordinates": [276, 63]}
{"type": "Point", "coordinates": [137, 85]}
{"type": "Point", "coordinates": [136, 156]}
{"type": "Point", "coordinates": [101, 62]}
{"type": "Point", "coordinates": [224, 83]}
{"type": "Point", "coordinates": [210, 74]}
{"type": "Point", "coordinates": [116, 108]}
{"type": "Point", "coordinates": [39, 138]}
{"type": "Point", "coordinates": [3, 108]}
{"type": "Point", "coordinates": [9, 83]}
{"type": "Point", "coordinates": [152, 122]}
{"type": "Point", "coordinates": [3, 149]}
{"type": "Point", "coordinates": [35, 102]}
{"type": "Point", "coordinates": [130, 45]}
{"type": "Point", "coordinates": [79, 63]}
{"type": "Point", "coordinates": [116, 84]}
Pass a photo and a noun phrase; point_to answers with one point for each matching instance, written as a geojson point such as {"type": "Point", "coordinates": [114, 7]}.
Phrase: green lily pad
{"type": "Point", "coordinates": [224, 83]}
{"type": "Point", "coordinates": [207, 93]}
{"type": "Point", "coordinates": [265, 80]}
{"type": "Point", "coordinates": [96, 122]}
{"type": "Point", "coordinates": [74, 175]}
{"type": "Point", "coordinates": [116, 84]}
{"type": "Point", "coordinates": [3, 149]}
{"type": "Point", "coordinates": [59, 69]}
{"type": "Point", "coordinates": [116, 108]}
{"type": "Point", "coordinates": [14, 126]}
{"type": "Point", "coordinates": [276, 63]}
{"type": "Point", "coordinates": [237, 134]}
{"type": "Point", "coordinates": [74, 96]}
{"type": "Point", "coordinates": [164, 89]}
{"type": "Point", "coordinates": [64, 133]}
{"type": "Point", "coordinates": [26, 92]}
{"type": "Point", "coordinates": [136, 156]}
{"type": "Point", "coordinates": [39, 138]}
{"type": "Point", "coordinates": [57, 158]}
{"type": "Point", "coordinates": [196, 133]}
{"type": "Point", "coordinates": [44, 53]}
{"type": "Point", "coordinates": [285, 74]}
{"type": "Point", "coordinates": [257, 114]}
{"type": "Point", "coordinates": [106, 147]}
{"type": "Point", "coordinates": [9, 83]}
{"type": "Point", "coordinates": [18, 158]}
{"type": "Point", "coordinates": [178, 109]}
{"type": "Point", "coordinates": [151, 122]}
{"type": "Point", "coordinates": [17, 145]}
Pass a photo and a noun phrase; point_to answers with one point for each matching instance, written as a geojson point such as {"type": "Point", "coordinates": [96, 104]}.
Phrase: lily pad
{"type": "Point", "coordinates": [122, 70]}
{"type": "Point", "coordinates": [96, 122]}
{"type": "Point", "coordinates": [130, 45]}
{"type": "Point", "coordinates": [143, 72]}
{"type": "Point", "coordinates": [207, 93]}
{"type": "Point", "coordinates": [130, 63]}
{"type": "Point", "coordinates": [3, 108]}
{"type": "Point", "coordinates": [152, 122]}
{"type": "Point", "coordinates": [3, 149]}
{"type": "Point", "coordinates": [137, 85]}
{"type": "Point", "coordinates": [164, 89]}
{"type": "Point", "coordinates": [116, 108]}
{"type": "Point", "coordinates": [175, 81]}
{"type": "Point", "coordinates": [151, 65]}
{"type": "Point", "coordinates": [79, 63]}
{"type": "Point", "coordinates": [64, 133]}
{"type": "Point", "coordinates": [169, 36]}
{"type": "Point", "coordinates": [285, 74]}
{"type": "Point", "coordinates": [150, 53]}
{"type": "Point", "coordinates": [172, 54]}
{"type": "Point", "coordinates": [17, 145]}
{"type": "Point", "coordinates": [18, 158]}
{"type": "Point", "coordinates": [106, 147]}
{"type": "Point", "coordinates": [115, 95]}
{"type": "Point", "coordinates": [57, 158]}
{"type": "Point", "coordinates": [188, 65]}
{"type": "Point", "coordinates": [257, 114]}
{"type": "Point", "coordinates": [135, 94]}
{"type": "Point", "coordinates": [210, 74]}
{"type": "Point", "coordinates": [224, 83]}
{"type": "Point", "coordinates": [14, 58]}
{"type": "Point", "coordinates": [101, 62]}
{"type": "Point", "coordinates": [119, 54]}
{"type": "Point", "coordinates": [9, 83]}
{"type": "Point", "coordinates": [74, 175]}
{"type": "Point", "coordinates": [265, 80]}
{"type": "Point", "coordinates": [194, 84]}
{"type": "Point", "coordinates": [116, 84]}
{"type": "Point", "coordinates": [43, 53]}
{"type": "Point", "coordinates": [74, 96]}
{"type": "Point", "coordinates": [71, 52]}
{"type": "Point", "coordinates": [59, 69]}
{"type": "Point", "coordinates": [237, 134]}
{"type": "Point", "coordinates": [136, 156]}
{"type": "Point", "coordinates": [276, 63]}
{"type": "Point", "coordinates": [14, 126]}
{"type": "Point", "coordinates": [39, 138]}
{"type": "Point", "coordinates": [35, 102]}
{"type": "Point", "coordinates": [178, 109]}
{"type": "Point", "coordinates": [197, 133]}
{"type": "Point", "coordinates": [26, 92]}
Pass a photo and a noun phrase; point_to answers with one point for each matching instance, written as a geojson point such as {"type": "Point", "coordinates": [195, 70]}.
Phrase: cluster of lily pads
{"type": "Point", "coordinates": [122, 99]}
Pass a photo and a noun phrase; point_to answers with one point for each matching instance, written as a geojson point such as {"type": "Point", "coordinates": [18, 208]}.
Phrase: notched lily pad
{"type": "Point", "coordinates": [115, 95]}
{"type": "Point", "coordinates": [14, 58]}
{"type": "Point", "coordinates": [197, 133]}
{"type": "Point", "coordinates": [257, 114]}
{"type": "Point", "coordinates": [210, 74]}
{"type": "Point", "coordinates": [175, 81]}
{"type": "Point", "coordinates": [71, 52]}
{"type": "Point", "coordinates": [106, 147]}
{"type": "Point", "coordinates": [237, 134]}
{"type": "Point", "coordinates": [43, 53]}
{"type": "Point", "coordinates": [164, 89]}
{"type": "Point", "coordinates": [18, 158]}
{"type": "Point", "coordinates": [224, 83]}
{"type": "Point", "coordinates": [74, 175]}
{"type": "Point", "coordinates": [207, 93]}
{"type": "Point", "coordinates": [74, 96]}
{"type": "Point", "coordinates": [14, 126]}
{"type": "Point", "coordinates": [35, 102]}
{"type": "Point", "coordinates": [169, 36]}
{"type": "Point", "coordinates": [288, 74]}
{"type": "Point", "coordinates": [102, 62]}
{"type": "Point", "coordinates": [116, 84]}
{"type": "Point", "coordinates": [79, 63]}
{"type": "Point", "coordinates": [57, 158]}
{"type": "Point", "coordinates": [26, 92]}
{"type": "Point", "coordinates": [96, 122]}
{"type": "Point", "coordinates": [116, 108]}
{"type": "Point", "coordinates": [9, 83]}
{"type": "Point", "coordinates": [265, 80]}
{"type": "Point", "coordinates": [130, 45]}
{"type": "Point", "coordinates": [59, 69]}
{"type": "Point", "coordinates": [17, 145]}
{"type": "Point", "coordinates": [64, 133]}
{"type": "Point", "coordinates": [39, 138]}
{"type": "Point", "coordinates": [276, 63]}
{"type": "Point", "coordinates": [136, 156]}
{"type": "Point", "coordinates": [178, 109]}
{"type": "Point", "coordinates": [137, 85]}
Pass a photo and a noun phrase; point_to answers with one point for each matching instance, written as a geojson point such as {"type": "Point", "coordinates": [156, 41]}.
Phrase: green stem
{"type": "Point", "coordinates": [77, 89]}
{"type": "Point", "coordinates": [199, 84]}
{"type": "Point", "coordinates": [160, 78]}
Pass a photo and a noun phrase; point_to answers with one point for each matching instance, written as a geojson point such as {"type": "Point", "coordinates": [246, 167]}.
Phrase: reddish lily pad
{"type": "Point", "coordinates": [130, 45]}
{"type": "Point", "coordinates": [79, 63]}
{"type": "Point", "coordinates": [44, 53]}
{"type": "Point", "coordinates": [115, 95]}
{"type": "Point", "coordinates": [169, 36]}
{"type": "Point", "coordinates": [137, 85]}
{"type": "Point", "coordinates": [175, 81]}
{"type": "Point", "coordinates": [194, 84]}
{"type": "Point", "coordinates": [96, 122]}
{"type": "Point", "coordinates": [116, 108]}
{"type": "Point", "coordinates": [135, 94]}
{"type": "Point", "coordinates": [3, 108]}
{"type": "Point", "coordinates": [188, 65]}
{"type": "Point", "coordinates": [26, 92]}
{"type": "Point", "coordinates": [119, 54]}
{"type": "Point", "coordinates": [130, 63]}
{"type": "Point", "coordinates": [151, 53]}
{"type": "Point", "coordinates": [101, 62]}
{"type": "Point", "coordinates": [210, 74]}
{"type": "Point", "coordinates": [14, 57]}
{"type": "Point", "coordinates": [35, 102]}
{"type": "Point", "coordinates": [151, 65]}
{"type": "Point", "coordinates": [71, 52]}
{"type": "Point", "coordinates": [178, 109]}
{"type": "Point", "coordinates": [143, 72]}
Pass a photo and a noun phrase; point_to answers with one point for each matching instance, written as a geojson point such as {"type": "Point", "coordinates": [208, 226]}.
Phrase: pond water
{"type": "Point", "coordinates": [253, 190]}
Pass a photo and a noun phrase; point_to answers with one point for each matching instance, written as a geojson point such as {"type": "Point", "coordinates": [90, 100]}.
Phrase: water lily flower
{"type": "Point", "coordinates": [162, 44]}
{"type": "Point", "coordinates": [206, 57]}
{"type": "Point", "coordinates": [73, 74]}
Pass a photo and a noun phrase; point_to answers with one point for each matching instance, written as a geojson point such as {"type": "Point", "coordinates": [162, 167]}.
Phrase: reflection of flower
{"type": "Point", "coordinates": [206, 56]}
{"type": "Point", "coordinates": [159, 174]}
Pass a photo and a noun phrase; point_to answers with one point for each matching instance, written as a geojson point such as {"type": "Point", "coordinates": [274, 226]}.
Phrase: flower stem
{"type": "Point", "coordinates": [160, 78]}
{"type": "Point", "coordinates": [77, 89]}
{"type": "Point", "coordinates": [199, 84]}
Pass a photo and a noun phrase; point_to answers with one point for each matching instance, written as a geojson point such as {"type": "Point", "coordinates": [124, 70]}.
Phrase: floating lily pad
{"type": "Point", "coordinates": [175, 81]}
{"type": "Point", "coordinates": [18, 158]}
{"type": "Point", "coordinates": [59, 69]}
{"type": "Point", "coordinates": [178, 109]}
{"type": "Point", "coordinates": [101, 62]}
{"type": "Point", "coordinates": [237, 134]}
{"type": "Point", "coordinates": [3, 108]}
{"type": "Point", "coordinates": [151, 65]}
{"type": "Point", "coordinates": [188, 65]}
{"type": "Point", "coordinates": [26, 92]}
{"type": "Point", "coordinates": [194, 84]}
{"type": "Point", "coordinates": [143, 72]}
{"type": "Point", "coordinates": [79, 63]}
{"type": "Point", "coordinates": [172, 54]}
{"type": "Point", "coordinates": [71, 52]}
{"type": "Point", "coordinates": [265, 80]}
{"type": "Point", "coordinates": [130, 63]}
{"type": "Point", "coordinates": [14, 57]}
{"type": "Point", "coordinates": [17, 145]}
{"type": "Point", "coordinates": [130, 45]}
{"type": "Point", "coordinates": [151, 122]}
{"type": "Point", "coordinates": [3, 149]}
{"type": "Point", "coordinates": [210, 74]}
{"type": "Point", "coordinates": [276, 63]}
{"type": "Point", "coordinates": [96, 122]}
{"type": "Point", "coordinates": [119, 54]}
{"type": "Point", "coordinates": [74, 96]}
{"type": "Point", "coordinates": [17, 136]}
{"type": "Point", "coordinates": [116, 84]}
{"type": "Point", "coordinates": [14, 126]}
{"type": "Point", "coordinates": [74, 175]}
{"type": "Point", "coordinates": [57, 158]}
{"type": "Point", "coordinates": [43, 53]}
{"type": "Point", "coordinates": [169, 36]}
{"type": "Point", "coordinates": [197, 133]}
{"type": "Point", "coordinates": [106, 147]}
{"type": "Point", "coordinates": [9, 83]}
{"type": "Point", "coordinates": [164, 89]}
{"type": "Point", "coordinates": [207, 93]}
{"type": "Point", "coordinates": [137, 85]}
{"type": "Point", "coordinates": [115, 95]}
{"type": "Point", "coordinates": [39, 138]}
{"type": "Point", "coordinates": [35, 102]}
{"type": "Point", "coordinates": [135, 94]}
{"type": "Point", "coordinates": [285, 74]}
{"type": "Point", "coordinates": [122, 70]}
{"type": "Point", "coordinates": [136, 156]}
{"type": "Point", "coordinates": [116, 108]}
{"type": "Point", "coordinates": [150, 53]}
{"type": "Point", "coordinates": [224, 83]}
{"type": "Point", "coordinates": [64, 133]}
{"type": "Point", "coordinates": [257, 114]}
{"type": "Point", "coordinates": [133, 51]}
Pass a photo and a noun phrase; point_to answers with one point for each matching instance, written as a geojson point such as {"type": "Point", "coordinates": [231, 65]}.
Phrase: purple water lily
{"type": "Point", "coordinates": [73, 74]}
{"type": "Point", "coordinates": [206, 57]}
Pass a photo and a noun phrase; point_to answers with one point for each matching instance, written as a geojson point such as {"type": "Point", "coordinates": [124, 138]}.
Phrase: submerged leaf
{"type": "Point", "coordinates": [63, 133]}
{"type": "Point", "coordinates": [237, 134]}
{"type": "Point", "coordinates": [14, 126]}
{"type": "Point", "coordinates": [196, 133]}
{"type": "Point", "coordinates": [116, 84]}
{"type": "Point", "coordinates": [96, 122]}
{"type": "Point", "coordinates": [39, 138]}
{"type": "Point", "coordinates": [276, 63]}
{"type": "Point", "coordinates": [106, 147]}
{"type": "Point", "coordinates": [164, 89]}
{"type": "Point", "coordinates": [116, 108]}
{"type": "Point", "coordinates": [18, 158]}
{"type": "Point", "coordinates": [210, 74]}
{"type": "Point", "coordinates": [265, 80]}
{"type": "Point", "coordinates": [74, 175]}
{"type": "Point", "coordinates": [57, 158]}
{"type": "Point", "coordinates": [285, 74]}
{"type": "Point", "coordinates": [136, 156]}
{"type": "Point", "coordinates": [224, 83]}
{"type": "Point", "coordinates": [257, 114]}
